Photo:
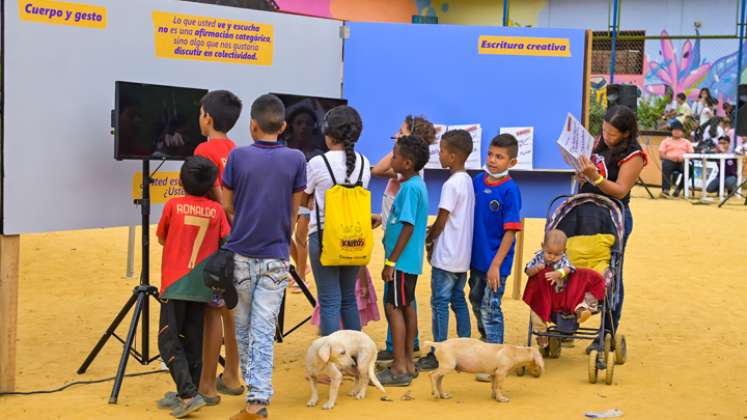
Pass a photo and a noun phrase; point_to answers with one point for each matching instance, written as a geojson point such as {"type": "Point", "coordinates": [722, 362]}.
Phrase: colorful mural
{"type": "Point", "coordinates": [686, 65]}
{"type": "Point", "coordinates": [356, 10]}
{"type": "Point", "coordinates": [685, 70]}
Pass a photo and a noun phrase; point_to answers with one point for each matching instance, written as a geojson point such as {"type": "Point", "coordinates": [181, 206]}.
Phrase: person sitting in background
{"type": "Point", "coordinates": [671, 151]}
{"type": "Point", "coordinates": [728, 110]}
{"type": "Point", "coordinates": [704, 101]}
{"type": "Point", "coordinates": [735, 142]}
{"type": "Point", "coordinates": [708, 135]}
{"type": "Point", "coordinates": [681, 112]}
{"type": "Point", "coordinates": [730, 170]}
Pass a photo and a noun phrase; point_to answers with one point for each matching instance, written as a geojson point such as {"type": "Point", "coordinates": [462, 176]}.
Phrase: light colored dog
{"type": "Point", "coordinates": [473, 356]}
{"type": "Point", "coordinates": [342, 351]}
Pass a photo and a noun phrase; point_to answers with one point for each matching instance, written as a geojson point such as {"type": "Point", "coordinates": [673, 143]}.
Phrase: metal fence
{"type": "Point", "coordinates": [663, 65]}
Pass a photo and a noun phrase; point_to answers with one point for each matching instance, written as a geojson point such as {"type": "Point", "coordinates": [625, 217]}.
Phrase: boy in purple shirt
{"type": "Point", "coordinates": [730, 169]}
{"type": "Point", "coordinates": [262, 187]}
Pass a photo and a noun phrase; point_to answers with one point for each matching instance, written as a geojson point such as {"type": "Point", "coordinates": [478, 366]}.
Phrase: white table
{"type": "Point", "coordinates": [705, 157]}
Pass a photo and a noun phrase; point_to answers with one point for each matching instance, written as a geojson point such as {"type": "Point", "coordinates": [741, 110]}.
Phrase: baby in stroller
{"type": "Point", "coordinates": [556, 289]}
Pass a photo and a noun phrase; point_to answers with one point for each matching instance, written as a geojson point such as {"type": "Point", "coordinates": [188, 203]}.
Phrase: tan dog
{"type": "Point", "coordinates": [473, 356]}
{"type": "Point", "coordinates": [339, 352]}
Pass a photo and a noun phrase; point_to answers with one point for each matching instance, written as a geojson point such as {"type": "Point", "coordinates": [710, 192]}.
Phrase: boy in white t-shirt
{"type": "Point", "coordinates": [449, 243]}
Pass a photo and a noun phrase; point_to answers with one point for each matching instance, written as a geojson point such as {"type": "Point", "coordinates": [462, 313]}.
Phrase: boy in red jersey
{"type": "Point", "coordinates": [190, 230]}
{"type": "Point", "coordinates": [219, 111]}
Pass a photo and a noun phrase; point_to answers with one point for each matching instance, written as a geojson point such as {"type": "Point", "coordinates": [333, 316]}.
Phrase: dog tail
{"type": "Point", "coordinates": [374, 380]}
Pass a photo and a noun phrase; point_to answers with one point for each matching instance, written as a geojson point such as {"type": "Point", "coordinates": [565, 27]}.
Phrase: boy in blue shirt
{"type": "Point", "coordinates": [497, 207]}
{"type": "Point", "coordinates": [262, 188]}
{"type": "Point", "coordinates": [404, 243]}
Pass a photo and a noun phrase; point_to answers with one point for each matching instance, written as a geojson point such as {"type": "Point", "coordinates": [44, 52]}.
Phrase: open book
{"type": "Point", "coordinates": [575, 141]}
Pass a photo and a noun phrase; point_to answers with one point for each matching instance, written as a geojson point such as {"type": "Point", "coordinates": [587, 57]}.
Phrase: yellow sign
{"type": "Point", "coordinates": [522, 45]}
{"type": "Point", "coordinates": [210, 39]}
{"type": "Point", "coordinates": [165, 185]}
{"type": "Point", "coordinates": [62, 13]}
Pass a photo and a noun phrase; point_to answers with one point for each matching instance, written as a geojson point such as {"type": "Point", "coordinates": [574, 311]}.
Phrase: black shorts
{"type": "Point", "coordinates": [402, 290]}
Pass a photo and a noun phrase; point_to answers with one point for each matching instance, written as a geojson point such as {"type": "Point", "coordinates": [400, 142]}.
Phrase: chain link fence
{"type": "Point", "coordinates": [663, 66]}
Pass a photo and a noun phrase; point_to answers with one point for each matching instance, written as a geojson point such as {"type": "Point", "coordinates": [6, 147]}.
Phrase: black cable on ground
{"type": "Point", "coordinates": [66, 386]}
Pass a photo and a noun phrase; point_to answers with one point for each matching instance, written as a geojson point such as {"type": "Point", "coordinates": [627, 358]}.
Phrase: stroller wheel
{"type": "Point", "coordinates": [609, 373]}
{"type": "Point", "coordinates": [554, 348]}
{"type": "Point", "coordinates": [521, 371]}
{"type": "Point", "coordinates": [621, 349]}
{"type": "Point", "coordinates": [608, 342]}
{"type": "Point", "coordinates": [593, 367]}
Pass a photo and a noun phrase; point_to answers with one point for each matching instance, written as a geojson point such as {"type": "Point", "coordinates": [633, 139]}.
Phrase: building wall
{"type": "Point", "coordinates": [686, 65]}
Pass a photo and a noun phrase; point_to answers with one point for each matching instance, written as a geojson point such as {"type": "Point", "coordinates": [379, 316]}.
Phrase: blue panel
{"type": "Point", "coordinates": [537, 189]}
{"type": "Point", "coordinates": [392, 70]}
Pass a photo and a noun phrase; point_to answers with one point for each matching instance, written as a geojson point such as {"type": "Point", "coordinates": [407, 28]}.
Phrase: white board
{"type": "Point", "coordinates": [59, 90]}
{"type": "Point", "coordinates": [525, 137]}
{"type": "Point", "coordinates": [473, 160]}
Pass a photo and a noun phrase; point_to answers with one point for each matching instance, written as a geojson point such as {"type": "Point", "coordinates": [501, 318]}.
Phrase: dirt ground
{"type": "Point", "coordinates": [684, 302]}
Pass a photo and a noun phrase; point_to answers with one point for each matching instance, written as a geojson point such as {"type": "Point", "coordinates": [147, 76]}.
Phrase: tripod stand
{"type": "Point", "coordinates": [280, 332]}
{"type": "Point", "coordinates": [643, 184]}
{"type": "Point", "coordinates": [139, 299]}
{"type": "Point", "coordinates": [733, 193]}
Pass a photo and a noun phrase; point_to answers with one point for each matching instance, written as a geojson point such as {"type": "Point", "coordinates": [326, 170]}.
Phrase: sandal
{"type": "Point", "coordinates": [245, 415]}
{"type": "Point", "coordinates": [389, 378]}
{"type": "Point", "coordinates": [211, 401]}
{"type": "Point", "coordinates": [223, 389]}
{"type": "Point", "coordinates": [169, 401]}
{"type": "Point", "coordinates": [185, 409]}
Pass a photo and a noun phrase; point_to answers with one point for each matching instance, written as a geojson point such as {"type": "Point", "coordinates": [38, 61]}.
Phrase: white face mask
{"type": "Point", "coordinates": [495, 174]}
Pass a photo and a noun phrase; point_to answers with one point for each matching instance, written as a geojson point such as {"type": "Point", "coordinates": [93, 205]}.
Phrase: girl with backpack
{"type": "Point", "coordinates": [340, 166]}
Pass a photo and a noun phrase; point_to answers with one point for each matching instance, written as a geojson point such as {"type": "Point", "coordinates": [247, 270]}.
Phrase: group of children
{"type": "Point", "coordinates": [222, 210]}
{"type": "Point", "coordinates": [474, 232]}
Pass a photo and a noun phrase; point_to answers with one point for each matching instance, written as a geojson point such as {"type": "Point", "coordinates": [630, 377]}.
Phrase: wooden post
{"type": "Point", "coordinates": [9, 250]}
{"type": "Point", "coordinates": [586, 95]}
{"type": "Point", "coordinates": [518, 262]}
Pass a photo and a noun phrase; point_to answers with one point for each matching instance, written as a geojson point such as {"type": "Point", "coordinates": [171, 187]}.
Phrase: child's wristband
{"type": "Point", "coordinates": [390, 263]}
{"type": "Point", "coordinates": [562, 273]}
{"type": "Point", "coordinates": [304, 211]}
{"type": "Point", "coordinates": [599, 181]}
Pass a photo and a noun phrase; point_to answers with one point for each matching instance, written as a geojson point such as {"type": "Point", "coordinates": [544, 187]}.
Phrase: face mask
{"type": "Point", "coordinates": [495, 174]}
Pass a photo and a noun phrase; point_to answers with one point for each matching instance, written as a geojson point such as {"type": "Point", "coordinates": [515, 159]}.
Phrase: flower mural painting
{"type": "Point", "coordinates": [722, 78]}
{"type": "Point", "coordinates": [684, 73]}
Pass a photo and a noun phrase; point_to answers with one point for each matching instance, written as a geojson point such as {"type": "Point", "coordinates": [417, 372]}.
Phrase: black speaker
{"type": "Point", "coordinates": [623, 95]}
{"type": "Point", "coordinates": [741, 112]}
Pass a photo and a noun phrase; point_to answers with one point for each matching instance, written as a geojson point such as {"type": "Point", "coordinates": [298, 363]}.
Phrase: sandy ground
{"type": "Point", "coordinates": [683, 308]}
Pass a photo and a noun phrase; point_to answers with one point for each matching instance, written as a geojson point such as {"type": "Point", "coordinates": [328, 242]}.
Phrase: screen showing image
{"type": "Point", "coordinates": [156, 122]}
{"type": "Point", "coordinates": [304, 115]}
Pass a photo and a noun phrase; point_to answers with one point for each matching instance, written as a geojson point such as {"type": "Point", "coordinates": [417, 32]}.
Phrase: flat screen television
{"type": "Point", "coordinates": [156, 122]}
{"type": "Point", "coordinates": [304, 115]}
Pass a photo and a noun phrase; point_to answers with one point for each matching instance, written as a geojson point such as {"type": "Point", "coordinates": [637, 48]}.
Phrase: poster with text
{"type": "Point", "coordinates": [433, 161]}
{"type": "Point", "coordinates": [475, 130]}
{"type": "Point", "coordinates": [525, 138]}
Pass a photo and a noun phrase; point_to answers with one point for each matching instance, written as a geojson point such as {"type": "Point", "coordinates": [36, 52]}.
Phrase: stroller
{"type": "Point", "coordinates": [589, 216]}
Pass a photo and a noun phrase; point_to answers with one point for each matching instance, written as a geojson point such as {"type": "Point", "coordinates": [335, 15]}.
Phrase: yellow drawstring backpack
{"type": "Point", "coordinates": [347, 239]}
